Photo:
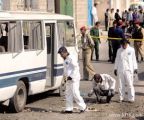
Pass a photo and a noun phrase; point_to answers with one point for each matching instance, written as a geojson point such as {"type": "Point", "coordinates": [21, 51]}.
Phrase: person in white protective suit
{"type": "Point", "coordinates": [94, 13]}
{"type": "Point", "coordinates": [125, 68]}
{"type": "Point", "coordinates": [71, 72]}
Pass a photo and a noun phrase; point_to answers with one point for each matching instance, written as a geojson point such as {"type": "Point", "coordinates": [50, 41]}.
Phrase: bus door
{"type": "Point", "coordinates": [50, 31]}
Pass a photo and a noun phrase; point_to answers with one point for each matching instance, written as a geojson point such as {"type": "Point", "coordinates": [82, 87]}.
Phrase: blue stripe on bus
{"type": "Point", "coordinates": [58, 65]}
{"type": "Point", "coordinates": [22, 71]}
{"type": "Point", "coordinates": [13, 80]}
{"type": "Point", "coordinates": [6, 82]}
{"type": "Point", "coordinates": [58, 72]}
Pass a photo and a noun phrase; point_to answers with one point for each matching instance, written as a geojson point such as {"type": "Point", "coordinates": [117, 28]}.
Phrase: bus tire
{"type": "Point", "coordinates": [62, 88]}
{"type": "Point", "coordinates": [18, 101]}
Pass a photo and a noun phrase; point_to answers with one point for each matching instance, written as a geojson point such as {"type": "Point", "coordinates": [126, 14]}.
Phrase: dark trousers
{"type": "Point", "coordinates": [108, 93]}
{"type": "Point", "coordinates": [106, 25]}
{"type": "Point", "coordinates": [110, 50]}
{"type": "Point", "coordinates": [96, 47]}
{"type": "Point", "coordinates": [115, 46]}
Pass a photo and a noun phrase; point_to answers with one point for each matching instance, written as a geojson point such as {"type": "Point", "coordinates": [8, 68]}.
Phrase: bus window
{"type": "Point", "coordinates": [32, 35]}
{"type": "Point", "coordinates": [10, 40]}
{"type": "Point", "coordinates": [66, 33]}
{"type": "Point", "coordinates": [15, 36]}
{"type": "Point", "coordinates": [49, 37]}
{"type": "Point", "coordinates": [3, 37]}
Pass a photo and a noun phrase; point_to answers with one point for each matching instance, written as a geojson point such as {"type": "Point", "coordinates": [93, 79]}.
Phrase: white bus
{"type": "Point", "coordinates": [29, 63]}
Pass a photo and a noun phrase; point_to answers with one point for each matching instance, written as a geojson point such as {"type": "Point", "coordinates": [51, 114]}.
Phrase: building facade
{"type": "Point", "coordinates": [79, 9]}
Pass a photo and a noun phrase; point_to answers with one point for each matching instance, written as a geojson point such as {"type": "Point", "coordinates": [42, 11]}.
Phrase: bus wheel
{"type": "Point", "coordinates": [62, 88]}
{"type": "Point", "coordinates": [17, 103]}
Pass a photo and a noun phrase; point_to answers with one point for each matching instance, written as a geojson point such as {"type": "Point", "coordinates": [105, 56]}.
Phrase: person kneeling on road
{"type": "Point", "coordinates": [103, 85]}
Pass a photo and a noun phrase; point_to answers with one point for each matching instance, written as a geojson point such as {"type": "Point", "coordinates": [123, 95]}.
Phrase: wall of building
{"type": "Point", "coordinates": [80, 13]}
{"type": "Point", "coordinates": [5, 4]}
{"type": "Point", "coordinates": [43, 5]}
{"type": "Point", "coordinates": [80, 7]}
{"type": "Point", "coordinates": [101, 8]}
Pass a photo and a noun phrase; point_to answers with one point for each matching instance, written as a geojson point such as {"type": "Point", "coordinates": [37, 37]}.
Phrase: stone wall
{"type": "Point", "coordinates": [80, 13]}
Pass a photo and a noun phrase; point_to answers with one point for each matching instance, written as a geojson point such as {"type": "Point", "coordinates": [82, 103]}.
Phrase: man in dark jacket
{"type": "Point", "coordinates": [117, 16]}
{"type": "Point", "coordinates": [119, 34]}
{"type": "Point", "coordinates": [106, 19]}
{"type": "Point", "coordinates": [110, 40]}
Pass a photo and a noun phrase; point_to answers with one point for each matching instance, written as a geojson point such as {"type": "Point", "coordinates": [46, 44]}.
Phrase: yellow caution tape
{"type": "Point", "coordinates": [111, 38]}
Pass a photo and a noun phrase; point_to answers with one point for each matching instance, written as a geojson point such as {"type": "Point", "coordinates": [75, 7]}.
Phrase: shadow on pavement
{"type": "Point", "coordinates": [32, 99]}
{"type": "Point", "coordinates": [139, 94]}
{"type": "Point", "coordinates": [90, 100]}
{"type": "Point", "coordinates": [140, 118]}
{"type": "Point", "coordinates": [101, 61]}
{"type": "Point", "coordinates": [3, 108]}
{"type": "Point", "coordinates": [141, 76]}
{"type": "Point", "coordinates": [138, 85]}
{"type": "Point", "coordinates": [32, 109]}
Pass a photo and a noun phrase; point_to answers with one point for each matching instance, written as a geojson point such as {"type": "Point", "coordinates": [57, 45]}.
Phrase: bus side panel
{"type": "Point", "coordinates": [30, 65]}
{"type": "Point", "coordinates": [7, 92]}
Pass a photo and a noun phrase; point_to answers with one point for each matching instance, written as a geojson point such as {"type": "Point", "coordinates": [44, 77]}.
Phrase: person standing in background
{"type": "Point", "coordinates": [87, 46]}
{"type": "Point", "coordinates": [135, 15]}
{"type": "Point", "coordinates": [141, 17]}
{"type": "Point", "coordinates": [130, 15]}
{"type": "Point", "coordinates": [111, 17]}
{"type": "Point", "coordinates": [95, 33]}
{"type": "Point", "coordinates": [107, 19]}
{"type": "Point", "coordinates": [125, 16]}
{"type": "Point", "coordinates": [110, 40]}
{"type": "Point", "coordinates": [117, 16]}
{"type": "Point", "coordinates": [138, 35]}
{"type": "Point", "coordinates": [119, 34]}
{"type": "Point", "coordinates": [94, 13]}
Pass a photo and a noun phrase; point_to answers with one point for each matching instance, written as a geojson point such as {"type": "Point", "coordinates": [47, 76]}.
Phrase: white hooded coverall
{"type": "Point", "coordinates": [125, 64]}
{"type": "Point", "coordinates": [71, 69]}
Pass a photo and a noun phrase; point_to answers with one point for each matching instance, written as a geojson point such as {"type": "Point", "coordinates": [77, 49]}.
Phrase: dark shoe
{"type": "Point", "coordinates": [142, 59]}
{"type": "Point", "coordinates": [108, 99]}
{"type": "Point", "coordinates": [109, 60]}
{"type": "Point", "coordinates": [82, 111]}
{"type": "Point", "coordinates": [131, 101]}
{"type": "Point", "coordinates": [66, 112]}
{"type": "Point", "coordinates": [86, 79]}
{"type": "Point", "coordinates": [120, 101]}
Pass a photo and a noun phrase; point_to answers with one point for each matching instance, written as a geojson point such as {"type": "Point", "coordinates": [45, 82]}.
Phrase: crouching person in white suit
{"type": "Point", "coordinates": [71, 71]}
{"type": "Point", "coordinates": [103, 85]}
{"type": "Point", "coordinates": [125, 68]}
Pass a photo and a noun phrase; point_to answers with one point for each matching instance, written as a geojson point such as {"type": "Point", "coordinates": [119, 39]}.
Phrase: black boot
{"type": "Point", "coordinates": [142, 59]}
{"type": "Point", "coordinates": [108, 99]}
